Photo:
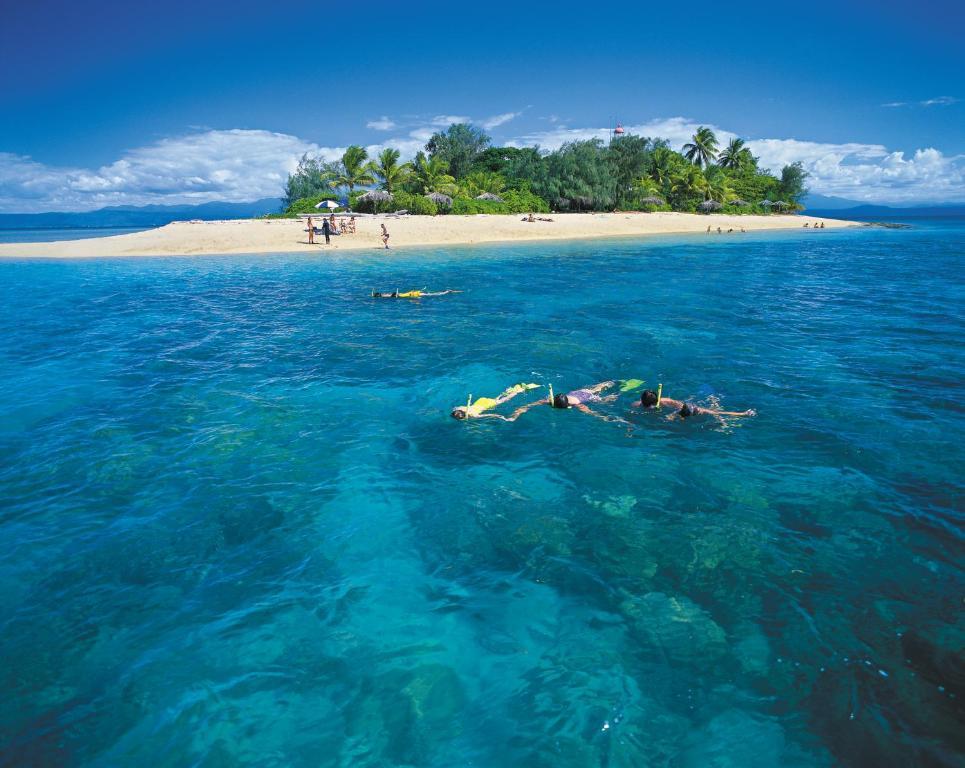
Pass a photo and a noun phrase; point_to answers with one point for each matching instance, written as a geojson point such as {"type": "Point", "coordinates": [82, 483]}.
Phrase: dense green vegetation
{"type": "Point", "coordinates": [459, 172]}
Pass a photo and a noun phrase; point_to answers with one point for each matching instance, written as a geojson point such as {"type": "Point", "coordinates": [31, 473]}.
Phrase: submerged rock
{"type": "Point", "coordinates": [740, 739]}
{"type": "Point", "coordinates": [678, 628]}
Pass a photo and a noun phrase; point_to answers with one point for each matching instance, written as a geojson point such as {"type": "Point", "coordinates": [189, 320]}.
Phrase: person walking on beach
{"type": "Point", "coordinates": [385, 237]}
{"type": "Point", "coordinates": [311, 232]}
{"type": "Point", "coordinates": [326, 230]}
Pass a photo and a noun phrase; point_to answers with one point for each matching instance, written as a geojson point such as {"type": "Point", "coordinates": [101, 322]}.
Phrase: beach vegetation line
{"type": "Point", "coordinates": [460, 172]}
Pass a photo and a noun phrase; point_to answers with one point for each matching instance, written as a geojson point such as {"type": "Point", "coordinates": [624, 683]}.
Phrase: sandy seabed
{"type": "Point", "coordinates": [183, 238]}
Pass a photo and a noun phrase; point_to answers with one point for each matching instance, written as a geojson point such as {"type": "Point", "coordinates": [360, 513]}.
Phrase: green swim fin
{"type": "Point", "coordinates": [628, 385]}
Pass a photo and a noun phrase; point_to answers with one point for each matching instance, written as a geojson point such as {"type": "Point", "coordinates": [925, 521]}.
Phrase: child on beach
{"type": "Point", "coordinates": [385, 237]}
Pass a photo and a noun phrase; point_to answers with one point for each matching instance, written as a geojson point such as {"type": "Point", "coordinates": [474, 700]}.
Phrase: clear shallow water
{"type": "Point", "coordinates": [241, 529]}
{"type": "Point", "coordinates": [45, 235]}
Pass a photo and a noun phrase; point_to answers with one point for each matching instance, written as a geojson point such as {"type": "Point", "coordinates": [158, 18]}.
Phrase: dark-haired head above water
{"type": "Point", "coordinates": [561, 401]}
{"type": "Point", "coordinates": [648, 398]}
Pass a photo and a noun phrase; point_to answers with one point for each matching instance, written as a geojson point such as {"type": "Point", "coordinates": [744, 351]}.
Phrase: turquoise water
{"type": "Point", "coordinates": [240, 527]}
{"type": "Point", "coordinates": [46, 235]}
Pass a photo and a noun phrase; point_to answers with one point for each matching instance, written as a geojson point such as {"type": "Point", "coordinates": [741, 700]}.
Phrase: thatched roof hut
{"type": "Point", "coordinates": [376, 196]}
{"type": "Point", "coordinates": [739, 202]}
{"type": "Point", "coordinates": [652, 200]}
{"type": "Point", "coordinates": [440, 199]}
{"type": "Point", "coordinates": [710, 205]}
{"type": "Point", "coordinates": [489, 196]}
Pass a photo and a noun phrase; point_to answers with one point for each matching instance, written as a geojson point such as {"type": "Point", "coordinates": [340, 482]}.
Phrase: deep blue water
{"type": "Point", "coordinates": [45, 235]}
{"type": "Point", "coordinates": [240, 527]}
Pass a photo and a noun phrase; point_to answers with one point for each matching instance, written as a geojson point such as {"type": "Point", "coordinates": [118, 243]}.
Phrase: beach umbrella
{"type": "Point", "coordinates": [710, 205]}
{"type": "Point", "coordinates": [440, 199]}
{"type": "Point", "coordinates": [330, 204]}
{"type": "Point", "coordinates": [489, 196]}
{"type": "Point", "coordinates": [652, 200]}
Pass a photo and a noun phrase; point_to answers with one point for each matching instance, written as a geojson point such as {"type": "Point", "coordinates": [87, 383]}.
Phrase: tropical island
{"type": "Point", "coordinates": [460, 173]}
{"type": "Point", "coordinates": [462, 190]}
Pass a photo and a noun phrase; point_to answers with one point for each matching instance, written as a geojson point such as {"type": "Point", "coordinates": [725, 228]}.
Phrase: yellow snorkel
{"type": "Point", "coordinates": [552, 398]}
{"type": "Point", "coordinates": [659, 393]}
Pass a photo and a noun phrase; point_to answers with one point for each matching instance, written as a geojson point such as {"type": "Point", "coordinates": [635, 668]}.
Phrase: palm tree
{"type": "Point", "coordinates": [392, 174]}
{"type": "Point", "coordinates": [662, 168]}
{"type": "Point", "coordinates": [702, 150]}
{"type": "Point", "coordinates": [356, 170]}
{"type": "Point", "coordinates": [431, 174]}
{"type": "Point", "coordinates": [734, 156]}
{"type": "Point", "coordinates": [718, 186]}
{"type": "Point", "coordinates": [688, 184]}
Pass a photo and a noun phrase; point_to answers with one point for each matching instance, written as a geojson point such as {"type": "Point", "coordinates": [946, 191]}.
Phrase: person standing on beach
{"type": "Point", "coordinates": [311, 232]}
{"type": "Point", "coordinates": [326, 230]}
{"type": "Point", "coordinates": [385, 237]}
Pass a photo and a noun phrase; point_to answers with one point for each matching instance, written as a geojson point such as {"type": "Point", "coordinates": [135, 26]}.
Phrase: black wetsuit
{"type": "Point", "coordinates": [326, 230]}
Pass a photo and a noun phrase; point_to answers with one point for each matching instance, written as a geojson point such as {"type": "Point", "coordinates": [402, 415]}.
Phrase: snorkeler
{"type": "Point", "coordinates": [650, 400]}
{"type": "Point", "coordinates": [409, 294]}
{"type": "Point", "coordinates": [476, 409]}
{"type": "Point", "coordinates": [577, 398]}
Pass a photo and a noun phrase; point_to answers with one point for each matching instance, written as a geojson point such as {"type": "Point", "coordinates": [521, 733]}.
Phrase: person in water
{"type": "Point", "coordinates": [650, 400]}
{"type": "Point", "coordinates": [477, 409]}
{"type": "Point", "coordinates": [577, 398]}
{"type": "Point", "coordinates": [409, 294]}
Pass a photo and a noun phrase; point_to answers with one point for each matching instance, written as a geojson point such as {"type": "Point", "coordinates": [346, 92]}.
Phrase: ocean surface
{"type": "Point", "coordinates": [241, 528]}
{"type": "Point", "coordinates": [46, 235]}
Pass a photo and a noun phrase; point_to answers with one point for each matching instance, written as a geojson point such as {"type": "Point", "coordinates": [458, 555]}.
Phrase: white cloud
{"type": "Point", "coordinates": [497, 120]}
{"type": "Point", "coordinates": [382, 124]}
{"type": "Point", "coordinates": [444, 121]}
{"type": "Point", "coordinates": [940, 101]}
{"type": "Point", "coordinates": [234, 165]}
{"type": "Point", "coordinates": [238, 165]}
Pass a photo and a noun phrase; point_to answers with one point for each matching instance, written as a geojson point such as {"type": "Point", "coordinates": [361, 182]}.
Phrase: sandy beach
{"type": "Point", "coordinates": [290, 236]}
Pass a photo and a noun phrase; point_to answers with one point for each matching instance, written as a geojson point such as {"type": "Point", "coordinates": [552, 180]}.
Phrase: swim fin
{"type": "Point", "coordinates": [628, 385]}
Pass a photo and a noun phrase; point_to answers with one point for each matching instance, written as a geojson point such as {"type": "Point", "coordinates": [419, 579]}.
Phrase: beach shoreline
{"type": "Point", "coordinates": [254, 236]}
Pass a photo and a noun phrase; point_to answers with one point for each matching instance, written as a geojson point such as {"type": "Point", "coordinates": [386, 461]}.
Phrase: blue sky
{"type": "Point", "coordinates": [177, 101]}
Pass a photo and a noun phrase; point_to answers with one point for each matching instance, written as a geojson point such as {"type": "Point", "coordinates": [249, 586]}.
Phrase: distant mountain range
{"type": "Point", "coordinates": [140, 216]}
{"type": "Point", "coordinates": [843, 208]}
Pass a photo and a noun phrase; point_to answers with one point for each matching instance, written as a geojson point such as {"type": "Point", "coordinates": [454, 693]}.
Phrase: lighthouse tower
{"type": "Point", "coordinates": [618, 131]}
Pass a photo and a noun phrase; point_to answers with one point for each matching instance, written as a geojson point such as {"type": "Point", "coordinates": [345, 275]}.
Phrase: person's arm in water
{"type": "Point", "coordinates": [441, 293]}
{"type": "Point", "coordinates": [714, 412]}
{"type": "Point", "coordinates": [523, 408]}
{"type": "Point", "coordinates": [601, 416]}
{"type": "Point", "coordinates": [665, 402]}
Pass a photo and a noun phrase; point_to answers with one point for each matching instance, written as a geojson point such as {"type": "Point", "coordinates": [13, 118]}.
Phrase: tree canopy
{"type": "Point", "coordinates": [628, 173]}
{"type": "Point", "coordinates": [458, 146]}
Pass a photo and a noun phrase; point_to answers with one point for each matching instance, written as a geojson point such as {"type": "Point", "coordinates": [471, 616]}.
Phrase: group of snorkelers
{"type": "Point", "coordinates": [483, 407]}
{"type": "Point", "coordinates": [409, 294]}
